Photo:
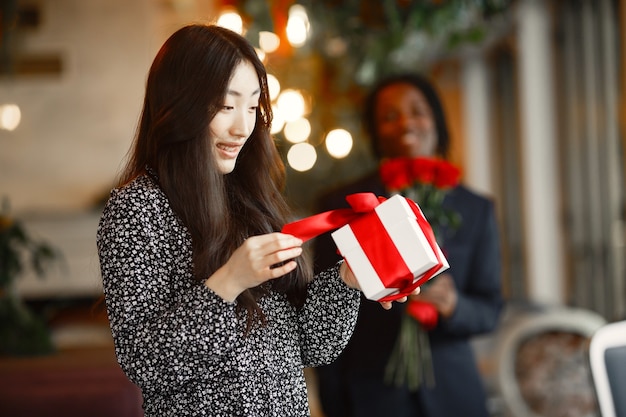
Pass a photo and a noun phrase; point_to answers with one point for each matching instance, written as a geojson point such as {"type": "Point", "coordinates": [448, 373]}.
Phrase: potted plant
{"type": "Point", "coordinates": [22, 332]}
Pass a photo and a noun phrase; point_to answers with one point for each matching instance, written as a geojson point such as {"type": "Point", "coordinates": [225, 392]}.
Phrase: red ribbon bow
{"type": "Point", "coordinates": [361, 205]}
{"type": "Point", "coordinates": [310, 227]}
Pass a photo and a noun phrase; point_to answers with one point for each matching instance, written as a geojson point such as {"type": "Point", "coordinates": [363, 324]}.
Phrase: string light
{"type": "Point", "coordinates": [302, 156]}
{"type": "Point", "coordinates": [230, 19]}
{"type": "Point", "coordinates": [278, 121]}
{"type": "Point", "coordinates": [297, 131]}
{"type": "Point", "coordinates": [291, 104]}
{"type": "Point", "coordinates": [10, 116]}
{"type": "Point", "coordinates": [268, 41]}
{"type": "Point", "coordinates": [273, 85]}
{"type": "Point", "coordinates": [339, 143]}
{"type": "Point", "coordinates": [297, 26]}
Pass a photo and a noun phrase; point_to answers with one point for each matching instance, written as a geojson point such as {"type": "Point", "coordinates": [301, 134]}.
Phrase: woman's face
{"type": "Point", "coordinates": [405, 123]}
{"type": "Point", "coordinates": [233, 124]}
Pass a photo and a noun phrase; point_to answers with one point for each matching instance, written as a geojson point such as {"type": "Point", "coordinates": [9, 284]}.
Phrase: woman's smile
{"type": "Point", "coordinates": [229, 150]}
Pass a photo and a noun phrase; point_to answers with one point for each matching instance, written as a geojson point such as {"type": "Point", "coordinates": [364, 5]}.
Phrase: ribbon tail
{"type": "Point", "coordinates": [313, 226]}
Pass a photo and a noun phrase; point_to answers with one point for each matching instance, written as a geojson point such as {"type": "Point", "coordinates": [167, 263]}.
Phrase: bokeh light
{"type": "Point", "coordinates": [339, 143]}
{"type": "Point", "coordinates": [277, 121]}
{"type": "Point", "coordinates": [273, 85]}
{"type": "Point", "coordinates": [230, 19]}
{"type": "Point", "coordinates": [268, 41]}
{"type": "Point", "coordinates": [297, 131]}
{"type": "Point", "coordinates": [10, 116]}
{"type": "Point", "coordinates": [291, 104]}
{"type": "Point", "coordinates": [297, 25]}
{"type": "Point", "coordinates": [302, 156]}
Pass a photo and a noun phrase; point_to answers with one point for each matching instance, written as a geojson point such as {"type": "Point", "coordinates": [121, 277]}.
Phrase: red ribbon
{"type": "Point", "coordinates": [430, 238]}
{"type": "Point", "coordinates": [382, 252]}
{"type": "Point", "coordinates": [310, 227]}
{"type": "Point", "coordinates": [387, 262]}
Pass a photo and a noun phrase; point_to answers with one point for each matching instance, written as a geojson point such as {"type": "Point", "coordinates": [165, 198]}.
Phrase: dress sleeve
{"type": "Point", "coordinates": [164, 332]}
{"type": "Point", "coordinates": [328, 318]}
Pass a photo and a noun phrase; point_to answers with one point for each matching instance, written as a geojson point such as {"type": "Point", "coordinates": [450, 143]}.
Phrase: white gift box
{"type": "Point", "coordinates": [408, 239]}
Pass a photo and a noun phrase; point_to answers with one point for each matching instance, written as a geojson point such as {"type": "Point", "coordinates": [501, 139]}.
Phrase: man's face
{"type": "Point", "coordinates": [405, 123]}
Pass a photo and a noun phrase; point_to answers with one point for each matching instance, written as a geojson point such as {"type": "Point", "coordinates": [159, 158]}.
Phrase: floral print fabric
{"type": "Point", "coordinates": [183, 345]}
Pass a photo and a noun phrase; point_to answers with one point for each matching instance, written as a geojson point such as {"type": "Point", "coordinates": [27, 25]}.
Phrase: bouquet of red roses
{"type": "Point", "coordinates": [425, 181]}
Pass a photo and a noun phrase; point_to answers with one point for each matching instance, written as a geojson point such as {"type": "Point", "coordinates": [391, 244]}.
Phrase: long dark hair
{"type": "Point", "coordinates": [432, 98]}
{"type": "Point", "coordinates": [186, 88]}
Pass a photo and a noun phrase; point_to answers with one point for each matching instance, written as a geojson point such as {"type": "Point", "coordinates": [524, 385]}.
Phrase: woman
{"type": "Point", "coordinates": [404, 118]}
{"type": "Point", "coordinates": [212, 311]}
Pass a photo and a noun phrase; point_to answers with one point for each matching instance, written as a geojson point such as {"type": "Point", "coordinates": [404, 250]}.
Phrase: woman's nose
{"type": "Point", "coordinates": [242, 125]}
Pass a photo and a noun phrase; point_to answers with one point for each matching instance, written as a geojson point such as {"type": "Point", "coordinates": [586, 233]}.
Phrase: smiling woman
{"type": "Point", "coordinates": [203, 293]}
{"type": "Point", "coordinates": [233, 124]}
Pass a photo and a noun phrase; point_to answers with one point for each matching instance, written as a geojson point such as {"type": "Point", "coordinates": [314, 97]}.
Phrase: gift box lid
{"type": "Point", "coordinates": [404, 232]}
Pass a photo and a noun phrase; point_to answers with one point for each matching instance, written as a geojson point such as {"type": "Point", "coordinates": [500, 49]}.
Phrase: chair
{"type": "Point", "coordinates": [541, 359]}
{"type": "Point", "coordinates": [607, 360]}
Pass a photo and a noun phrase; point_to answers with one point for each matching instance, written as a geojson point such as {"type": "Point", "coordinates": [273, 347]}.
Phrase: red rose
{"type": "Point", "coordinates": [447, 175]}
{"type": "Point", "coordinates": [423, 312]}
{"type": "Point", "coordinates": [396, 174]}
{"type": "Point", "coordinates": [424, 170]}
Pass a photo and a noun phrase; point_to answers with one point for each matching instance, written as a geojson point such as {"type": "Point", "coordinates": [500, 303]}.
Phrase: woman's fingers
{"type": "Point", "coordinates": [271, 243]}
{"type": "Point", "coordinates": [281, 270]}
{"type": "Point", "coordinates": [258, 259]}
{"type": "Point", "coordinates": [267, 254]}
{"type": "Point", "coordinates": [386, 304]}
{"type": "Point", "coordinates": [348, 277]}
{"type": "Point", "coordinates": [283, 255]}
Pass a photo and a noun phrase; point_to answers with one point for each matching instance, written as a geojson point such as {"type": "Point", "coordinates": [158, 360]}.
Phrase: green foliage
{"type": "Point", "coordinates": [364, 39]}
{"type": "Point", "coordinates": [18, 250]}
{"type": "Point", "coordinates": [21, 331]}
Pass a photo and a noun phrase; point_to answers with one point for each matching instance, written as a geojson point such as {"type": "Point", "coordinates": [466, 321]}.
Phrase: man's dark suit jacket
{"type": "Point", "coordinates": [474, 257]}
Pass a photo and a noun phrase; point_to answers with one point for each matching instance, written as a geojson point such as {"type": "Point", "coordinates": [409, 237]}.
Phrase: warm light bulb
{"type": "Point", "coordinates": [291, 104]}
{"type": "Point", "coordinates": [297, 25]}
{"type": "Point", "coordinates": [230, 19]}
{"type": "Point", "coordinates": [10, 116]}
{"type": "Point", "coordinates": [273, 85]}
{"type": "Point", "coordinates": [277, 121]}
{"type": "Point", "coordinates": [302, 156]}
{"type": "Point", "coordinates": [339, 143]}
{"type": "Point", "coordinates": [268, 41]}
{"type": "Point", "coordinates": [297, 131]}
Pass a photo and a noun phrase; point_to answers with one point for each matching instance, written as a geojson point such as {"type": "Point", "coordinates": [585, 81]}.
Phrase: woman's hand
{"type": "Point", "coordinates": [348, 277]}
{"type": "Point", "coordinates": [251, 264]}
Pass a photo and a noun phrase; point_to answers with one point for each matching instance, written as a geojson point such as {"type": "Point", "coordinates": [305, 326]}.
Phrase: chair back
{"type": "Point", "coordinates": [607, 361]}
{"type": "Point", "coordinates": [542, 363]}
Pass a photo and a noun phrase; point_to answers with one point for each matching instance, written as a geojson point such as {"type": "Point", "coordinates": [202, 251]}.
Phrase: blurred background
{"type": "Point", "coordinates": [534, 91]}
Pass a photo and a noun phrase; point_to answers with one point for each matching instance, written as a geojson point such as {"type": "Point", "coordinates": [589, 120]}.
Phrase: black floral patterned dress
{"type": "Point", "coordinates": [183, 345]}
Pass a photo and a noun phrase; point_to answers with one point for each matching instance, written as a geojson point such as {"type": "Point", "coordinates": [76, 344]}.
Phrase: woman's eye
{"type": "Point", "coordinates": [227, 107]}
